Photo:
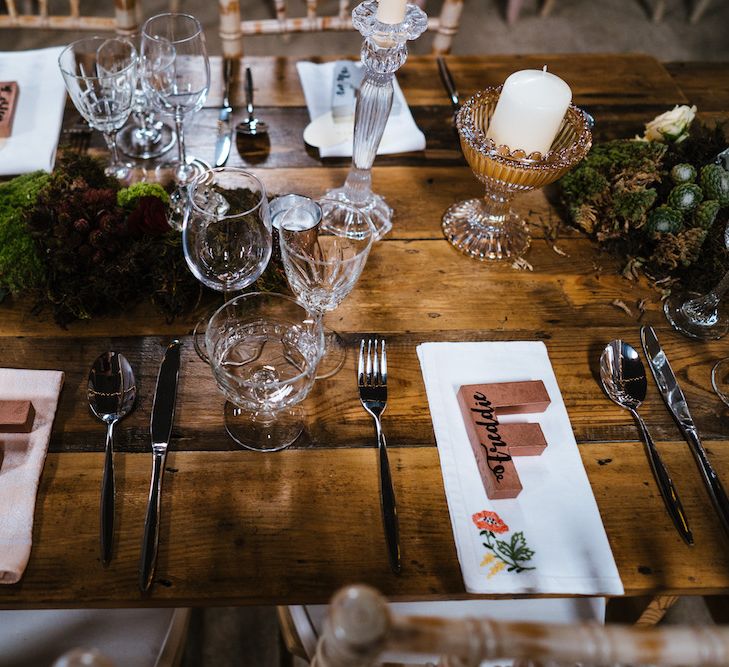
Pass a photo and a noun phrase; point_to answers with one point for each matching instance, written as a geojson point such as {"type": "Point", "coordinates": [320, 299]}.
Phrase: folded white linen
{"type": "Point", "coordinates": [401, 133]}
{"type": "Point", "coordinates": [25, 454]}
{"type": "Point", "coordinates": [38, 116]}
{"type": "Point", "coordinates": [550, 539]}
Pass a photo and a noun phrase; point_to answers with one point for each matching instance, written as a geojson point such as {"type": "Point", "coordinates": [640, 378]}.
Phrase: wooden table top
{"type": "Point", "coordinates": [245, 528]}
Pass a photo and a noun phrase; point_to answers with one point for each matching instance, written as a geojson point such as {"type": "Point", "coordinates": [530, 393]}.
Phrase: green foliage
{"type": "Point", "coordinates": [715, 183]}
{"type": "Point", "coordinates": [20, 264]}
{"type": "Point", "coordinates": [128, 197]}
{"type": "Point", "coordinates": [683, 173]}
{"type": "Point", "coordinates": [685, 197]}
{"type": "Point", "coordinates": [706, 213]}
{"type": "Point", "coordinates": [664, 220]}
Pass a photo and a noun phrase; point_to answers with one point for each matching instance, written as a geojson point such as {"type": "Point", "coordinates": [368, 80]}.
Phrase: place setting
{"type": "Point", "coordinates": [426, 375]}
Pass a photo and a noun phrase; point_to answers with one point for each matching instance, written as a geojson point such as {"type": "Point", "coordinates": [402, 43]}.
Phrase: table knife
{"type": "Point", "coordinates": [225, 131]}
{"type": "Point", "coordinates": [675, 401]}
{"type": "Point", "coordinates": [447, 79]}
{"type": "Point", "coordinates": [163, 415]}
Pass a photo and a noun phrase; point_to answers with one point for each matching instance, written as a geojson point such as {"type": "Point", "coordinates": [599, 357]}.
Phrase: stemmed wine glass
{"type": "Point", "coordinates": [226, 236]}
{"type": "Point", "coordinates": [324, 262]}
{"type": "Point", "coordinates": [176, 78]}
{"type": "Point", "coordinates": [100, 75]}
{"type": "Point", "coordinates": [700, 315]}
{"type": "Point", "coordinates": [264, 349]}
{"type": "Point", "coordinates": [146, 137]}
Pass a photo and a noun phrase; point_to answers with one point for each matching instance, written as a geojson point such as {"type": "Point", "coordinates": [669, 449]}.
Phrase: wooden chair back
{"type": "Point", "coordinates": [233, 27]}
{"type": "Point", "coordinates": [36, 14]}
{"type": "Point", "coordinates": [360, 628]}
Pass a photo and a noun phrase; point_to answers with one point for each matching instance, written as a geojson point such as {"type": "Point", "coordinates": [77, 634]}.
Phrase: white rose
{"type": "Point", "coordinates": [672, 125]}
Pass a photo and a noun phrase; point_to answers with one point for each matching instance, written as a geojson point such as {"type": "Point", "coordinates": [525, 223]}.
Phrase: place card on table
{"type": "Point", "coordinates": [548, 540]}
{"type": "Point", "coordinates": [41, 96]}
{"type": "Point", "coordinates": [401, 134]}
{"type": "Point", "coordinates": [24, 456]}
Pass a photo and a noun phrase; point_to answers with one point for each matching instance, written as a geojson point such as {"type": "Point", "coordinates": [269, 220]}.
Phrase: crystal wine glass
{"type": "Point", "coordinates": [100, 75]}
{"type": "Point", "coordinates": [176, 78]}
{"type": "Point", "coordinates": [226, 236]}
{"type": "Point", "coordinates": [700, 315]}
{"type": "Point", "coordinates": [264, 349]}
{"type": "Point", "coordinates": [324, 262]}
{"type": "Point", "coordinates": [146, 137]}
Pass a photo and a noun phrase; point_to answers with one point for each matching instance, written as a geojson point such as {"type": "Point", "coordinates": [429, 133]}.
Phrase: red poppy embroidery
{"type": "Point", "coordinates": [490, 521]}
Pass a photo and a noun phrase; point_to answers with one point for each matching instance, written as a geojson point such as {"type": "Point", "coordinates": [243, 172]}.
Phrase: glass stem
{"type": "Point", "coordinates": [180, 139]}
{"type": "Point", "coordinates": [496, 205]}
{"type": "Point", "coordinates": [110, 138]}
{"type": "Point", "coordinates": [703, 311]}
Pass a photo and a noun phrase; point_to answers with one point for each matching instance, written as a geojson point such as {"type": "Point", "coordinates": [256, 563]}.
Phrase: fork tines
{"type": "Point", "coordinates": [372, 368]}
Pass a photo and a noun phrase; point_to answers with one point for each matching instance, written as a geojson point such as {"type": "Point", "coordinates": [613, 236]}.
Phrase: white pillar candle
{"type": "Point", "coordinates": [391, 11]}
{"type": "Point", "coordinates": [530, 111]}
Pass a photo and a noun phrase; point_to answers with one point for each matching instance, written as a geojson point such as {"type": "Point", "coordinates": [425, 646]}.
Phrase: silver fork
{"type": "Point", "coordinates": [372, 382]}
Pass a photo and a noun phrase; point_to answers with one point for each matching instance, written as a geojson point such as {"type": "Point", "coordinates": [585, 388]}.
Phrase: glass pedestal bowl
{"type": "Point", "coordinates": [487, 228]}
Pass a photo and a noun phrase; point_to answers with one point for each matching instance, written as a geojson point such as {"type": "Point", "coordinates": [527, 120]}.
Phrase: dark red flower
{"type": "Point", "coordinates": [149, 217]}
{"type": "Point", "coordinates": [490, 521]}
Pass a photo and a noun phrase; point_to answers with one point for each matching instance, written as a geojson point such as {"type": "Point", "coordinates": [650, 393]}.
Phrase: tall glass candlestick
{"type": "Point", "coordinates": [384, 51]}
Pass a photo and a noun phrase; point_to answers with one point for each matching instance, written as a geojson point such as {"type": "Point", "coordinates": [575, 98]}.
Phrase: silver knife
{"type": "Point", "coordinates": [447, 79]}
{"type": "Point", "coordinates": [675, 401]}
{"type": "Point", "coordinates": [225, 131]}
{"type": "Point", "coordinates": [163, 415]}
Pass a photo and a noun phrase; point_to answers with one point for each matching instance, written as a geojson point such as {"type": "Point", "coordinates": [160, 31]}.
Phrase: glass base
{"type": "Point", "coordinates": [145, 146]}
{"type": "Point", "coordinates": [178, 209]}
{"type": "Point", "coordinates": [122, 171]}
{"type": "Point", "coordinates": [334, 354]}
{"type": "Point", "coordinates": [469, 228]}
{"type": "Point", "coordinates": [712, 328]}
{"type": "Point", "coordinates": [374, 206]}
{"type": "Point", "coordinates": [263, 436]}
{"type": "Point", "coordinates": [179, 173]}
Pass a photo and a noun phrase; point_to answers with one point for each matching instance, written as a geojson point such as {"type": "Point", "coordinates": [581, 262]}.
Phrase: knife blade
{"type": "Point", "coordinates": [163, 416]}
{"type": "Point", "coordinates": [675, 401]}
{"type": "Point", "coordinates": [447, 79]}
{"type": "Point", "coordinates": [225, 131]}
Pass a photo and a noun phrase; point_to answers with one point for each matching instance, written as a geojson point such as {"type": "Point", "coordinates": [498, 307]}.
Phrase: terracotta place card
{"type": "Point", "coordinates": [16, 416]}
{"type": "Point", "coordinates": [8, 103]}
{"type": "Point", "coordinates": [493, 459]}
{"type": "Point", "coordinates": [524, 439]}
{"type": "Point", "coordinates": [514, 398]}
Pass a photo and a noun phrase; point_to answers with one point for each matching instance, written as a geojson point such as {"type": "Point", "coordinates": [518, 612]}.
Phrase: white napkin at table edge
{"type": "Point", "coordinates": [25, 454]}
{"type": "Point", "coordinates": [556, 510]}
{"type": "Point", "coordinates": [37, 123]}
{"type": "Point", "coordinates": [401, 134]}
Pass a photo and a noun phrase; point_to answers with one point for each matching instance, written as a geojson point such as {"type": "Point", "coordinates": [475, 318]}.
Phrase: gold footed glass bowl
{"type": "Point", "coordinates": [487, 228]}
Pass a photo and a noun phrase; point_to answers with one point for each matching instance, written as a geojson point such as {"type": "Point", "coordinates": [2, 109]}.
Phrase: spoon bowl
{"type": "Point", "coordinates": [251, 126]}
{"type": "Point", "coordinates": [623, 378]}
{"type": "Point", "coordinates": [112, 391]}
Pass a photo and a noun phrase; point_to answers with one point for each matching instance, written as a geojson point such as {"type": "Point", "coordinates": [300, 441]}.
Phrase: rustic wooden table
{"type": "Point", "coordinates": [245, 528]}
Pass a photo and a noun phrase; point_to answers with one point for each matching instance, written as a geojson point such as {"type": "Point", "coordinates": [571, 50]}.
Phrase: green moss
{"type": "Point", "coordinates": [128, 197]}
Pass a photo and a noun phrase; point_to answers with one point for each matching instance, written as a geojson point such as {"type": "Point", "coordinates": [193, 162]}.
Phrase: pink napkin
{"type": "Point", "coordinates": [25, 454]}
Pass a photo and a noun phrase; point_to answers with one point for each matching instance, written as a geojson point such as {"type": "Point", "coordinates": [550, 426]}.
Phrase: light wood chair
{"type": "Point", "coordinates": [37, 14]}
{"type": "Point", "coordinates": [360, 627]}
{"type": "Point", "coordinates": [233, 27]}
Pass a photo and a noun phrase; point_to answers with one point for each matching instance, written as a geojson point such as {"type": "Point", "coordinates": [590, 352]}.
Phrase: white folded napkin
{"type": "Point", "coordinates": [38, 116]}
{"type": "Point", "coordinates": [401, 133]}
{"type": "Point", "coordinates": [21, 468]}
{"type": "Point", "coordinates": [553, 526]}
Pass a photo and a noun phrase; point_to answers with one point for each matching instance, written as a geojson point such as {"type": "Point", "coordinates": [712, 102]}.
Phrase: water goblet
{"type": "Point", "coordinates": [323, 262]}
{"type": "Point", "coordinates": [146, 137]}
{"type": "Point", "coordinates": [264, 349]}
{"type": "Point", "coordinates": [699, 315]}
{"type": "Point", "coordinates": [176, 78]}
{"type": "Point", "coordinates": [100, 75]}
{"type": "Point", "coordinates": [226, 237]}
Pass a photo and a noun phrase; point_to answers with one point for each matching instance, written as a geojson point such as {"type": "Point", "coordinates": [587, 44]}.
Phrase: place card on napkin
{"type": "Point", "coordinates": [550, 539]}
{"type": "Point", "coordinates": [401, 134]}
{"type": "Point", "coordinates": [39, 112]}
{"type": "Point", "coordinates": [25, 454]}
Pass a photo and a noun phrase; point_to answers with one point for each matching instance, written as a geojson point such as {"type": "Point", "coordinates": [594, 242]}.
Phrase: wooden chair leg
{"type": "Point", "coordinates": [698, 10]}
{"type": "Point", "coordinates": [659, 9]}
{"type": "Point", "coordinates": [513, 9]}
{"type": "Point", "coordinates": [450, 19]}
{"type": "Point", "coordinates": [656, 610]}
{"type": "Point", "coordinates": [547, 7]}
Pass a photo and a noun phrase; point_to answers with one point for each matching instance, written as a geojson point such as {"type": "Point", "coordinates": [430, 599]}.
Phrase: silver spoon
{"type": "Point", "coordinates": [111, 393]}
{"type": "Point", "coordinates": [251, 126]}
{"type": "Point", "coordinates": [623, 377]}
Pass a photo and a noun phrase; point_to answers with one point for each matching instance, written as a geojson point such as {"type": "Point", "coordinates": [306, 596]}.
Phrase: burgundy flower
{"type": "Point", "coordinates": [149, 217]}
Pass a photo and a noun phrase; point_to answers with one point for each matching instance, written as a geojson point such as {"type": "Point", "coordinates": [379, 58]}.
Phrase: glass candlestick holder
{"type": "Point", "coordinates": [384, 51]}
{"type": "Point", "coordinates": [488, 228]}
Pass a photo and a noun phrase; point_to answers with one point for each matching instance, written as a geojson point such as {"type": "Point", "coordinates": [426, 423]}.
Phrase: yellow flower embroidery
{"type": "Point", "coordinates": [488, 557]}
{"type": "Point", "coordinates": [497, 567]}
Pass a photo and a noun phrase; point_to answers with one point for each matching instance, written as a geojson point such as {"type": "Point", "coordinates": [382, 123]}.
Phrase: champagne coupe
{"type": "Point", "coordinates": [100, 75]}
{"type": "Point", "coordinates": [176, 78]}
{"type": "Point", "coordinates": [700, 315]}
{"type": "Point", "coordinates": [264, 349]}
{"type": "Point", "coordinates": [324, 262]}
{"type": "Point", "coordinates": [226, 236]}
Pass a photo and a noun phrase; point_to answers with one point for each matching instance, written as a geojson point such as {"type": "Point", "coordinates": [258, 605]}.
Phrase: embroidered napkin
{"type": "Point", "coordinates": [550, 539]}
{"type": "Point", "coordinates": [37, 124]}
{"type": "Point", "coordinates": [21, 468]}
{"type": "Point", "coordinates": [401, 133]}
